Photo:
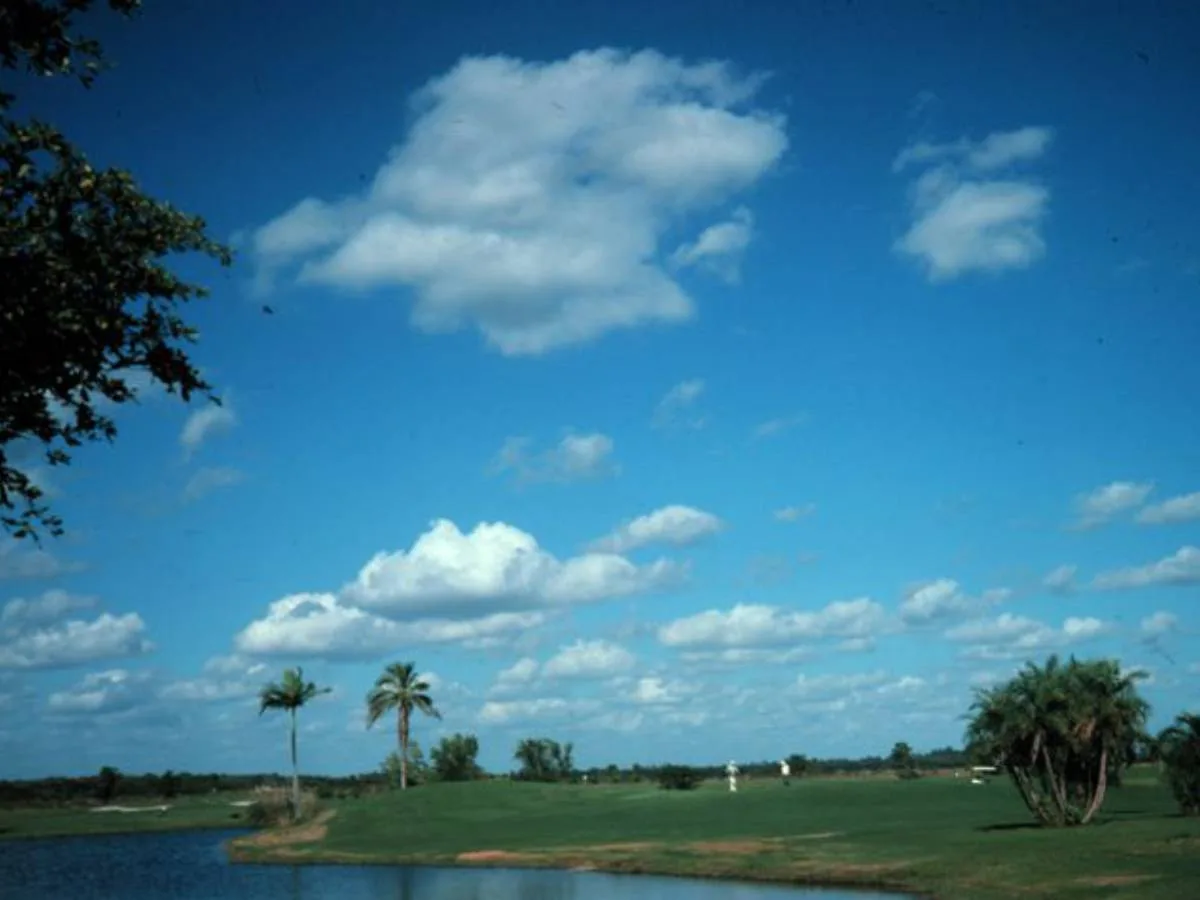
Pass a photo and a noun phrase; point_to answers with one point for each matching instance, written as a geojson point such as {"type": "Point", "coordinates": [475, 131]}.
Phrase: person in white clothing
{"type": "Point", "coordinates": [731, 771]}
{"type": "Point", "coordinates": [785, 772]}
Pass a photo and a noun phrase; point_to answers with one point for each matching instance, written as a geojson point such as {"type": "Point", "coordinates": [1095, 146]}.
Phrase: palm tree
{"type": "Point", "coordinates": [289, 694]}
{"type": "Point", "coordinates": [1063, 732]}
{"type": "Point", "coordinates": [400, 688]}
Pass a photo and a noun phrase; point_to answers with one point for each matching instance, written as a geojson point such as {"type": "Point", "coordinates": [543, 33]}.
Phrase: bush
{"type": "Point", "coordinates": [273, 807]}
{"type": "Point", "coordinates": [678, 778]}
{"type": "Point", "coordinates": [1179, 750]}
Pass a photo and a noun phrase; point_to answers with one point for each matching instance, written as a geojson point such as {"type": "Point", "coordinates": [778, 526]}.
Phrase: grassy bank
{"type": "Point", "coordinates": [210, 811]}
{"type": "Point", "coordinates": [935, 837]}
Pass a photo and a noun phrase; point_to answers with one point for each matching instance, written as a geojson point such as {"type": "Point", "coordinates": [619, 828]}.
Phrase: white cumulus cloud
{"type": "Point", "coordinates": [103, 693]}
{"type": "Point", "coordinates": [589, 659]}
{"type": "Point", "coordinates": [1180, 568]}
{"type": "Point", "coordinates": [50, 606]}
{"type": "Point", "coordinates": [319, 625]}
{"type": "Point", "coordinates": [1103, 504]}
{"type": "Point", "coordinates": [510, 712]}
{"type": "Point", "coordinates": [1009, 636]}
{"type": "Point", "coordinates": [675, 525]}
{"type": "Point", "coordinates": [653, 690]}
{"type": "Point", "coordinates": [1185, 508]}
{"type": "Point", "coordinates": [944, 598]}
{"type": "Point", "coordinates": [482, 588]}
{"type": "Point", "coordinates": [747, 625]}
{"type": "Point", "coordinates": [970, 211]}
{"type": "Point", "coordinates": [74, 642]}
{"type": "Point", "coordinates": [529, 199]}
{"type": "Point", "coordinates": [494, 566]}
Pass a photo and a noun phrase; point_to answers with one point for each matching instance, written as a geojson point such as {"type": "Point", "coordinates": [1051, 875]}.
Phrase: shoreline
{"type": "Point", "coordinates": [131, 829]}
{"type": "Point", "coordinates": [735, 867]}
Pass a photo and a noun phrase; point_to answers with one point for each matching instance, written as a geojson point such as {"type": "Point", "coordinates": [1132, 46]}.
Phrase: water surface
{"type": "Point", "coordinates": [192, 866]}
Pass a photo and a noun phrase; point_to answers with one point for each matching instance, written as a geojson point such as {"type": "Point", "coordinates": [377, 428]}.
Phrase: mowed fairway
{"type": "Point", "coordinates": [213, 811]}
{"type": "Point", "coordinates": [937, 837]}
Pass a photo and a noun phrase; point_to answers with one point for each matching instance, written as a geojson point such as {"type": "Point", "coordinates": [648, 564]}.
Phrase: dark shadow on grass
{"type": "Point", "coordinates": [1010, 826]}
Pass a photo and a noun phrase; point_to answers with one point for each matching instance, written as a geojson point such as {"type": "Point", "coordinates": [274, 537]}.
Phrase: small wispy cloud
{"type": "Point", "coordinates": [677, 408]}
{"type": "Point", "coordinates": [720, 247]}
{"type": "Point", "coordinates": [1060, 580]}
{"type": "Point", "coordinates": [205, 423]}
{"type": "Point", "coordinates": [794, 513]}
{"type": "Point", "coordinates": [575, 458]}
{"type": "Point", "coordinates": [211, 478]}
{"type": "Point", "coordinates": [775, 427]}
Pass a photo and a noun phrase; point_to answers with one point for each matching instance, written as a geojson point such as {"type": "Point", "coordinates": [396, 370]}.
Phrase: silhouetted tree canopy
{"type": "Point", "coordinates": [88, 309]}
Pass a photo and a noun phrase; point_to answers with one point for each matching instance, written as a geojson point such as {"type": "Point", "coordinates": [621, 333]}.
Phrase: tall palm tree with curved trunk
{"type": "Point", "coordinates": [289, 694]}
{"type": "Point", "coordinates": [399, 687]}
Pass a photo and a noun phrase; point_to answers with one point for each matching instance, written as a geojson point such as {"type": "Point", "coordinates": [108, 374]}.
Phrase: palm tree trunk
{"type": "Point", "coordinates": [1057, 785]}
{"type": "Point", "coordinates": [1101, 788]}
{"type": "Point", "coordinates": [295, 773]}
{"type": "Point", "coordinates": [403, 727]}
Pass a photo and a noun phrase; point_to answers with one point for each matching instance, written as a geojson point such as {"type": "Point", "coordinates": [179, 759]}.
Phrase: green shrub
{"type": "Point", "coordinates": [272, 807]}
{"type": "Point", "coordinates": [1179, 750]}
{"type": "Point", "coordinates": [678, 778]}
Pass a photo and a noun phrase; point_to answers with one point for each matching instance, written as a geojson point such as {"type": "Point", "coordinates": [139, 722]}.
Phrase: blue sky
{"type": "Point", "coordinates": [685, 383]}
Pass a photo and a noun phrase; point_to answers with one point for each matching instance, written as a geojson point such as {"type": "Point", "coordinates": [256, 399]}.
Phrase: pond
{"type": "Point", "coordinates": [192, 866]}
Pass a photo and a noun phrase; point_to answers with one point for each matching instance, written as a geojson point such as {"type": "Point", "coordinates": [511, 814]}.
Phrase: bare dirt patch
{"type": "Point", "coordinates": [632, 847]}
{"type": "Point", "coordinates": [736, 848]}
{"type": "Point", "coordinates": [492, 856]}
{"type": "Point", "coordinates": [847, 872]}
{"type": "Point", "coordinates": [308, 833]}
{"type": "Point", "coordinates": [1115, 880]}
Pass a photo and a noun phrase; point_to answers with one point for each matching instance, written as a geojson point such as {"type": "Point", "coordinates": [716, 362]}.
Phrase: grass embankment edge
{"type": "Point", "coordinates": [719, 860]}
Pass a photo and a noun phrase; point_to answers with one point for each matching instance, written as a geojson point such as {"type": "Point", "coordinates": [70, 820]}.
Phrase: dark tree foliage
{"type": "Point", "coordinates": [454, 758]}
{"type": "Point", "coordinates": [107, 783]}
{"type": "Point", "coordinates": [1179, 747]}
{"type": "Point", "coordinates": [544, 759]}
{"type": "Point", "coordinates": [87, 299]}
{"type": "Point", "coordinates": [903, 762]}
{"type": "Point", "coordinates": [678, 778]}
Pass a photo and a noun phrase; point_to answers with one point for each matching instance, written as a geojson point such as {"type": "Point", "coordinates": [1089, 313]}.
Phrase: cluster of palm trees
{"type": "Point", "coordinates": [1065, 732]}
{"type": "Point", "coordinates": [399, 688]}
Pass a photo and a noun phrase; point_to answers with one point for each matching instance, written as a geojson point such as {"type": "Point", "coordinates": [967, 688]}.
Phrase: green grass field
{"type": "Point", "coordinates": [937, 837]}
{"type": "Point", "coordinates": [212, 811]}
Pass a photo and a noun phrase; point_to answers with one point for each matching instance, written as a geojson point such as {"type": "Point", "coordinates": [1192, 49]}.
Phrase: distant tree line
{"type": "Point", "coordinates": [453, 758]}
